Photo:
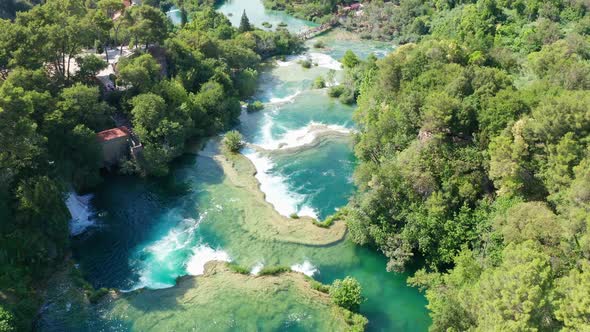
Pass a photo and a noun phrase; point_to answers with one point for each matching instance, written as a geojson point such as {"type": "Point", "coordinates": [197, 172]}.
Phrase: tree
{"type": "Point", "coordinates": [346, 293]}
{"type": "Point", "coordinates": [244, 23]}
{"type": "Point", "coordinates": [57, 32]}
{"type": "Point", "coordinates": [80, 104]}
{"type": "Point", "coordinates": [233, 141]}
{"type": "Point", "coordinates": [6, 320]}
{"type": "Point", "coordinates": [141, 72]}
{"type": "Point", "coordinates": [515, 296]}
{"type": "Point", "coordinates": [350, 60]}
{"type": "Point", "coordinates": [89, 66]}
{"type": "Point", "coordinates": [150, 25]}
{"type": "Point", "coordinates": [571, 299]}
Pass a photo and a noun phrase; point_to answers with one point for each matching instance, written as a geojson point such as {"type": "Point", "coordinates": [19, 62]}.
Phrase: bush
{"type": "Point", "coordinates": [347, 97]}
{"type": "Point", "coordinates": [266, 25]}
{"type": "Point", "coordinates": [6, 320]}
{"type": "Point", "coordinates": [255, 106]}
{"type": "Point", "coordinates": [316, 285]}
{"type": "Point", "coordinates": [274, 270]}
{"type": "Point", "coordinates": [233, 141]}
{"type": "Point", "coordinates": [238, 268]}
{"type": "Point", "coordinates": [305, 63]}
{"type": "Point", "coordinates": [356, 322]}
{"type": "Point", "coordinates": [319, 44]}
{"type": "Point", "coordinates": [346, 293]}
{"type": "Point", "coordinates": [282, 25]}
{"type": "Point", "coordinates": [336, 91]}
{"type": "Point", "coordinates": [319, 83]}
{"type": "Point", "coordinates": [294, 216]}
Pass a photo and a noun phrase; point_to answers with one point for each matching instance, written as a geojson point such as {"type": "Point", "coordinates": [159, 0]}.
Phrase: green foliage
{"type": "Point", "coordinates": [319, 44]}
{"type": "Point", "coordinates": [316, 285]}
{"type": "Point", "coordinates": [294, 216]}
{"type": "Point", "coordinates": [238, 268]}
{"type": "Point", "coordinates": [346, 293]}
{"type": "Point", "coordinates": [570, 300]}
{"type": "Point", "coordinates": [319, 83]}
{"type": "Point", "coordinates": [141, 72]}
{"type": "Point", "coordinates": [336, 91]}
{"type": "Point", "coordinates": [274, 270]}
{"type": "Point", "coordinates": [6, 321]}
{"type": "Point", "coordinates": [255, 106]}
{"type": "Point", "coordinates": [244, 23]}
{"type": "Point", "coordinates": [306, 63]}
{"type": "Point", "coordinates": [233, 141]}
{"type": "Point", "coordinates": [89, 66]}
{"type": "Point", "coordinates": [177, 84]}
{"type": "Point", "coordinates": [474, 157]}
{"type": "Point", "coordinates": [350, 60]}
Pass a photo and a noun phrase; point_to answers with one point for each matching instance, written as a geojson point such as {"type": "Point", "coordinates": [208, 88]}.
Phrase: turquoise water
{"type": "Point", "coordinates": [257, 14]}
{"type": "Point", "coordinates": [152, 231]}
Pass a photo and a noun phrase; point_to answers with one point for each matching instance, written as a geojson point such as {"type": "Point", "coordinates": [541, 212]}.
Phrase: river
{"type": "Point", "coordinates": [152, 231]}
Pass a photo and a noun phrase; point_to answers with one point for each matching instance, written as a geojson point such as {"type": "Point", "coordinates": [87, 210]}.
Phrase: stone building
{"type": "Point", "coordinates": [115, 144]}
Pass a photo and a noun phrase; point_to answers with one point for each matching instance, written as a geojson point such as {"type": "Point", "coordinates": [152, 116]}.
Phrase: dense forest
{"type": "Point", "coordinates": [176, 84]}
{"type": "Point", "coordinates": [475, 160]}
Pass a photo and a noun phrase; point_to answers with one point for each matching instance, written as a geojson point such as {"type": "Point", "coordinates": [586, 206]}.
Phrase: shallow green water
{"type": "Point", "coordinates": [153, 231]}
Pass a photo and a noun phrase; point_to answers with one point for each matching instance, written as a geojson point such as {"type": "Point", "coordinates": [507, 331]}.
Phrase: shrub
{"type": "Point", "coordinates": [319, 82]}
{"type": "Point", "coordinates": [233, 141]}
{"type": "Point", "coordinates": [6, 320]}
{"type": "Point", "coordinates": [346, 293]}
{"type": "Point", "coordinates": [305, 63]}
{"type": "Point", "coordinates": [336, 90]}
{"type": "Point", "coordinates": [319, 44]}
{"type": "Point", "coordinates": [282, 25]}
{"type": "Point", "coordinates": [316, 285]}
{"type": "Point", "coordinates": [347, 97]}
{"type": "Point", "coordinates": [274, 270]}
{"type": "Point", "coordinates": [255, 106]}
{"type": "Point", "coordinates": [355, 321]}
{"type": "Point", "coordinates": [293, 216]}
{"type": "Point", "coordinates": [266, 25]}
{"type": "Point", "coordinates": [238, 268]}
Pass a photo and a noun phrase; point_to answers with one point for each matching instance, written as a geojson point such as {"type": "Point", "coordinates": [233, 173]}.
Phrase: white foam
{"type": "Point", "coordinates": [273, 186]}
{"type": "Point", "coordinates": [319, 59]}
{"type": "Point", "coordinates": [284, 100]}
{"type": "Point", "coordinates": [325, 61]}
{"type": "Point", "coordinates": [307, 211]}
{"type": "Point", "coordinates": [306, 268]}
{"type": "Point", "coordinates": [81, 211]}
{"type": "Point", "coordinates": [178, 238]}
{"type": "Point", "coordinates": [201, 255]}
{"type": "Point", "coordinates": [297, 137]}
{"type": "Point", "coordinates": [257, 268]}
{"type": "Point", "coordinates": [162, 256]}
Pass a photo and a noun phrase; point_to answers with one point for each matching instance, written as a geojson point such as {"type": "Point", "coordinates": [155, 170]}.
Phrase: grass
{"type": "Point", "coordinates": [274, 270]}
{"type": "Point", "coordinates": [238, 268]}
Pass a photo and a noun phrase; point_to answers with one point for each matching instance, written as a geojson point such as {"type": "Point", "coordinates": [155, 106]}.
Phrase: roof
{"type": "Point", "coordinates": [113, 133]}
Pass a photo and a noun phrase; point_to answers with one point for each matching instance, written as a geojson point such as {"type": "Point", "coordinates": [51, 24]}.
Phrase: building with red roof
{"type": "Point", "coordinates": [115, 144]}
